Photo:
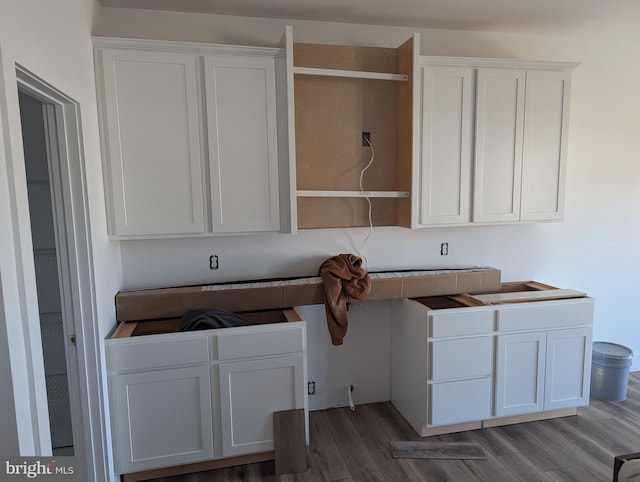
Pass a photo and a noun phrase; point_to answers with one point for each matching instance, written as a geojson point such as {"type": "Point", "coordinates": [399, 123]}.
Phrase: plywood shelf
{"type": "Point", "coordinates": [354, 74]}
{"type": "Point", "coordinates": [371, 194]}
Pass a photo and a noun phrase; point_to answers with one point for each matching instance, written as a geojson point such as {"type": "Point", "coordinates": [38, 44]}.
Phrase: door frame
{"type": "Point", "coordinates": [65, 152]}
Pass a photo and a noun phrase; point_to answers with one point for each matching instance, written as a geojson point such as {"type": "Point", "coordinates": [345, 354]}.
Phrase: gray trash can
{"type": "Point", "coordinates": [610, 371]}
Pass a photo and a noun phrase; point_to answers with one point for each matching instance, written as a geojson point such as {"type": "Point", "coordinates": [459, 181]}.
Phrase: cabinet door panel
{"type": "Point", "coordinates": [520, 374]}
{"type": "Point", "coordinates": [153, 142]}
{"type": "Point", "coordinates": [568, 368]}
{"type": "Point", "coordinates": [460, 401]}
{"type": "Point", "coordinates": [162, 418]}
{"type": "Point", "coordinates": [498, 144]}
{"type": "Point", "coordinates": [545, 144]}
{"type": "Point", "coordinates": [241, 117]}
{"type": "Point", "coordinates": [250, 391]}
{"type": "Point", "coordinates": [446, 145]}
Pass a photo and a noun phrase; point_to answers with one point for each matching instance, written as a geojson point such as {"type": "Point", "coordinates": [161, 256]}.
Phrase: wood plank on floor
{"type": "Point", "coordinates": [426, 449]}
{"type": "Point", "coordinates": [397, 428]}
{"type": "Point", "coordinates": [290, 442]}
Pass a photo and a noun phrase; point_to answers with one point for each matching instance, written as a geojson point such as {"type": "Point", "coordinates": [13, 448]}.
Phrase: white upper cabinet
{"type": "Point", "coordinates": [493, 140]}
{"type": "Point", "coordinates": [243, 151]}
{"type": "Point", "coordinates": [498, 148]}
{"type": "Point", "coordinates": [151, 140]}
{"type": "Point", "coordinates": [545, 145]}
{"type": "Point", "coordinates": [445, 157]}
{"type": "Point", "coordinates": [199, 140]}
{"type": "Point", "coordinates": [190, 138]}
{"type": "Point", "coordinates": [521, 142]}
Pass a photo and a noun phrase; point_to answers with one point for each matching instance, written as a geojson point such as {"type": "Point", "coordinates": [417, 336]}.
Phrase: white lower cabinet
{"type": "Point", "coordinates": [162, 418]}
{"type": "Point", "coordinates": [520, 374]}
{"type": "Point", "coordinates": [250, 391]}
{"type": "Point", "coordinates": [454, 366]}
{"type": "Point", "coordinates": [460, 384]}
{"type": "Point", "coordinates": [568, 370]}
{"type": "Point", "coordinates": [180, 398]}
{"type": "Point", "coordinates": [544, 356]}
{"type": "Point", "coordinates": [441, 364]}
{"type": "Point", "coordinates": [460, 401]}
{"type": "Point", "coordinates": [543, 371]}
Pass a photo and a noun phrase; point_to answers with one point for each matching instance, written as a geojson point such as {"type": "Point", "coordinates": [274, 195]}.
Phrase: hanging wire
{"type": "Point", "coordinates": [364, 242]}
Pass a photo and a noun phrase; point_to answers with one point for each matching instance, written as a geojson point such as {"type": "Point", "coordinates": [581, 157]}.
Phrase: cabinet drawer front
{"type": "Point", "coordinates": [261, 343]}
{"type": "Point", "coordinates": [158, 354]}
{"type": "Point", "coordinates": [460, 323]}
{"type": "Point", "coordinates": [544, 315]}
{"type": "Point", "coordinates": [458, 402]}
{"type": "Point", "coordinates": [462, 358]}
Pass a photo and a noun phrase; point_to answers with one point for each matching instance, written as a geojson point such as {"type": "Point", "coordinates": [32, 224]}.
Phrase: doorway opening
{"type": "Point", "coordinates": [69, 218]}
{"type": "Point", "coordinates": [54, 331]}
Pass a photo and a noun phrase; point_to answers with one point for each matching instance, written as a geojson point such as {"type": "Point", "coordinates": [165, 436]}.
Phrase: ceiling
{"type": "Point", "coordinates": [492, 15]}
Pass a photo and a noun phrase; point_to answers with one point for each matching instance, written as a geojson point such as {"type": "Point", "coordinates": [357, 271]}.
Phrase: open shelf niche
{"type": "Point", "coordinates": [338, 92]}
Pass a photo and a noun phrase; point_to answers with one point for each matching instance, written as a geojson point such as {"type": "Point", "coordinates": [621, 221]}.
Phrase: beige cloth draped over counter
{"type": "Point", "coordinates": [343, 277]}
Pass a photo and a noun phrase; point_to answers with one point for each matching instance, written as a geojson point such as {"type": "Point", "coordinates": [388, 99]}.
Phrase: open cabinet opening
{"type": "Point", "coordinates": [353, 134]}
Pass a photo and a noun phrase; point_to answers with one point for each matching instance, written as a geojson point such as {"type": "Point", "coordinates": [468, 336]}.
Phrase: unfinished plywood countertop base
{"type": "Point", "coordinates": [275, 294]}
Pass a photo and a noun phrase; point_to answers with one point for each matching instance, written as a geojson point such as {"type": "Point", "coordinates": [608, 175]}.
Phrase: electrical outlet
{"type": "Point", "coordinates": [366, 139]}
{"type": "Point", "coordinates": [311, 388]}
{"type": "Point", "coordinates": [444, 249]}
{"type": "Point", "coordinates": [214, 261]}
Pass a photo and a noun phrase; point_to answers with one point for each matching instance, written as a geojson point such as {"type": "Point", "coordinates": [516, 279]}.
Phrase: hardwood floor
{"type": "Point", "coordinates": [354, 446]}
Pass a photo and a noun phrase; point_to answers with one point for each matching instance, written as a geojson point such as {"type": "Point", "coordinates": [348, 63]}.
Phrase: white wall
{"type": "Point", "coordinates": [9, 438]}
{"type": "Point", "coordinates": [593, 250]}
{"type": "Point", "coordinates": [363, 360]}
{"type": "Point", "coordinates": [53, 41]}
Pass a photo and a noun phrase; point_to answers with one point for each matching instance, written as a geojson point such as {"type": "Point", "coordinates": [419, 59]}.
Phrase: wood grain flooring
{"type": "Point", "coordinates": [355, 446]}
